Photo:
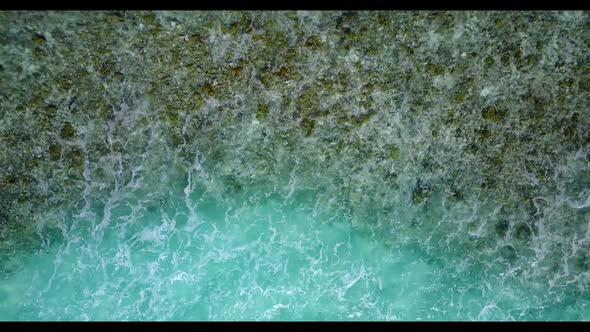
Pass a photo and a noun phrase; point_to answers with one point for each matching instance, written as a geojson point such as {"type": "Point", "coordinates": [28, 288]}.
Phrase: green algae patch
{"type": "Point", "coordinates": [307, 125]}
{"type": "Point", "coordinates": [262, 112]}
{"type": "Point", "coordinates": [421, 192]}
{"type": "Point", "coordinates": [38, 39]}
{"type": "Point", "coordinates": [55, 152]}
{"type": "Point", "coordinates": [394, 152]}
{"type": "Point", "coordinates": [490, 113]}
{"type": "Point", "coordinates": [68, 131]}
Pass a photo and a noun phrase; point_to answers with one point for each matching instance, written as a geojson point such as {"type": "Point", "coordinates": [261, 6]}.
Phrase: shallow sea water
{"type": "Point", "coordinates": [189, 256]}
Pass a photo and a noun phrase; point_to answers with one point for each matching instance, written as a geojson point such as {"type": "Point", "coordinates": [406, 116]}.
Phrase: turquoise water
{"type": "Point", "coordinates": [189, 255]}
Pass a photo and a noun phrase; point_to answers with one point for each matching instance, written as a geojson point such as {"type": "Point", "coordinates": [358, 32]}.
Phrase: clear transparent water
{"type": "Point", "coordinates": [190, 256]}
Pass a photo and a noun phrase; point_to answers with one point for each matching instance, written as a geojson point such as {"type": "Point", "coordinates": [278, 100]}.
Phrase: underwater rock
{"type": "Point", "coordinates": [51, 109]}
{"type": "Point", "coordinates": [502, 227]}
{"type": "Point", "coordinates": [312, 42]}
{"type": "Point", "coordinates": [522, 232]}
{"type": "Point", "coordinates": [149, 18]}
{"type": "Point", "coordinates": [580, 262]}
{"type": "Point", "coordinates": [309, 102]}
{"type": "Point", "coordinates": [54, 152]}
{"type": "Point", "coordinates": [394, 152]}
{"type": "Point", "coordinates": [107, 68]}
{"type": "Point", "coordinates": [262, 112]}
{"type": "Point", "coordinates": [119, 76]}
{"type": "Point", "coordinates": [307, 126]}
{"type": "Point", "coordinates": [74, 157]}
{"type": "Point", "coordinates": [491, 113]}
{"type": "Point", "coordinates": [421, 193]}
{"type": "Point", "coordinates": [68, 131]}
{"type": "Point", "coordinates": [38, 39]}
{"type": "Point", "coordinates": [456, 195]}
{"type": "Point", "coordinates": [508, 252]}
